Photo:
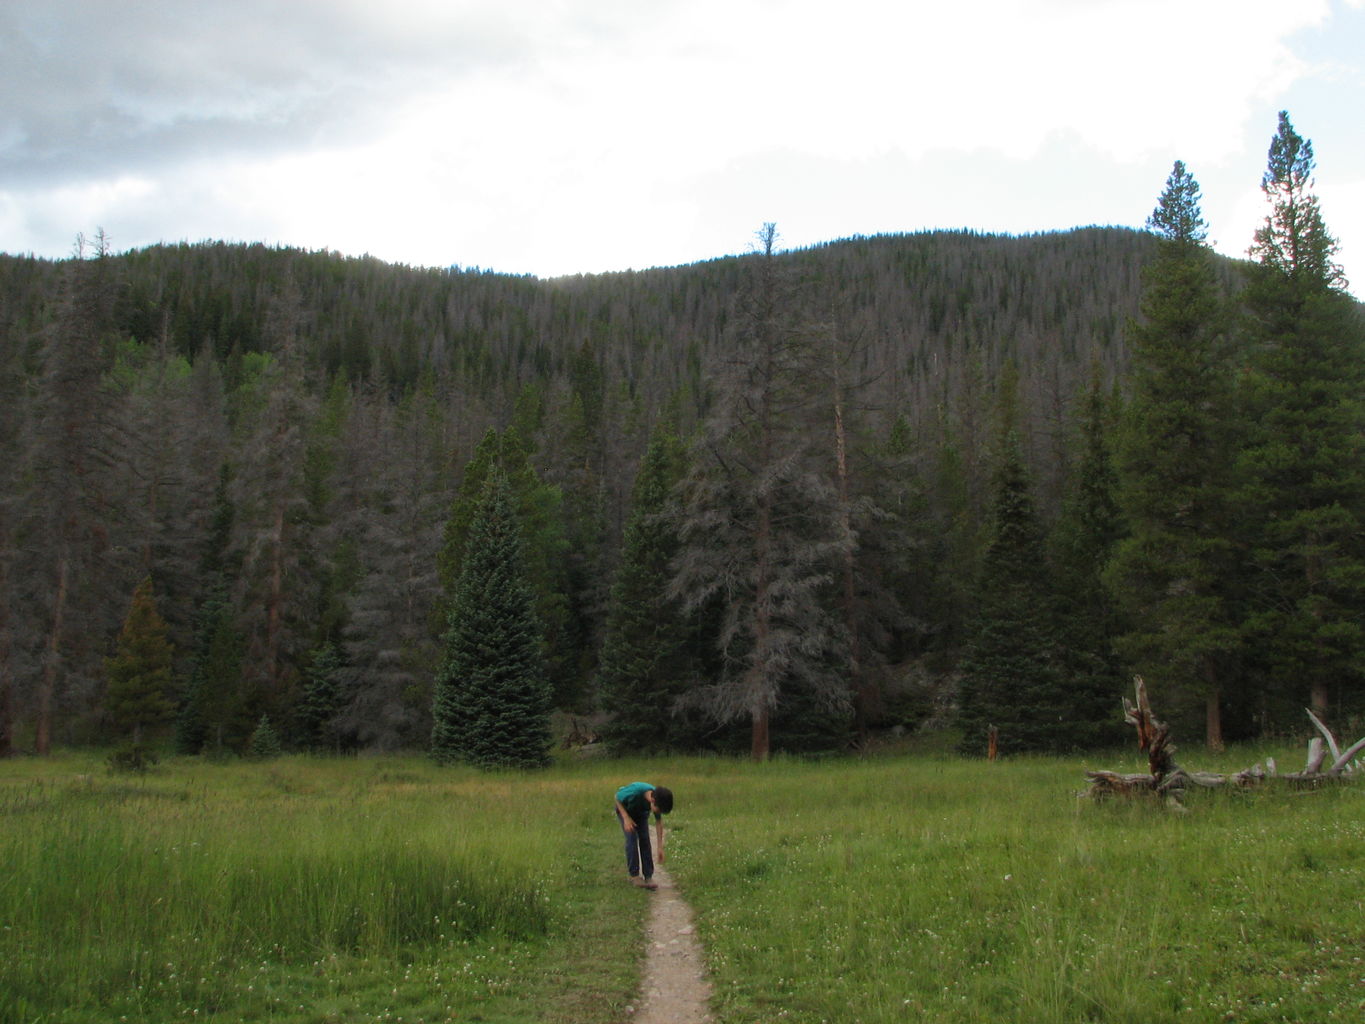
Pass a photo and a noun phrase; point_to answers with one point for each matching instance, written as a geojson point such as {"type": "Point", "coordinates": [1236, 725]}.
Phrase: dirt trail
{"type": "Point", "coordinates": [675, 989]}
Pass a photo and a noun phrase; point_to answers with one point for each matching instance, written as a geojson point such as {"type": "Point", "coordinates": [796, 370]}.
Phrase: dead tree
{"type": "Point", "coordinates": [1343, 762]}
{"type": "Point", "coordinates": [1165, 777]}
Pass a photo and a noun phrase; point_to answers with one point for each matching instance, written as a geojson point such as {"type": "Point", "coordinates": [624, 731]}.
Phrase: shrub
{"type": "Point", "coordinates": [132, 757]}
{"type": "Point", "coordinates": [265, 741]}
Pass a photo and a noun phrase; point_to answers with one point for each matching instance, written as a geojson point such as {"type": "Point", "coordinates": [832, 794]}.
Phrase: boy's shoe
{"type": "Point", "coordinates": [643, 883]}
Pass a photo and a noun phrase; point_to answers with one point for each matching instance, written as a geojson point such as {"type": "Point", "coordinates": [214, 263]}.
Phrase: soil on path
{"type": "Point", "coordinates": [675, 989]}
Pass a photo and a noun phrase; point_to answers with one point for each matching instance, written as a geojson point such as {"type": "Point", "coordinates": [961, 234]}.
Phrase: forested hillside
{"type": "Point", "coordinates": [292, 447]}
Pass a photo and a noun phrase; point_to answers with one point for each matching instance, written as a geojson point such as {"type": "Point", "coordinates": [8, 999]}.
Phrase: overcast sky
{"type": "Point", "coordinates": [562, 136]}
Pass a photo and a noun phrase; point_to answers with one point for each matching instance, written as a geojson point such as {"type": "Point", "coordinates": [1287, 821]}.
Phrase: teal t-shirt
{"type": "Point", "coordinates": [632, 798]}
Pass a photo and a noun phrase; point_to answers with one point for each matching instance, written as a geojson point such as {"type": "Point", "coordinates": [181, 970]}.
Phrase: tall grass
{"type": "Point", "coordinates": [229, 890]}
{"type": "Point", "coordinates": [955, 891]}
{"type": "Point", "coordinates": [888, 889]}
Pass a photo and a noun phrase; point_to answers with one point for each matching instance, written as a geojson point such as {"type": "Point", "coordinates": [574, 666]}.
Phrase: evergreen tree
{"type": "Point", "coordinates": [279, 583]}
{"type": "Point", "coordinates": [67, 513]}
{"type": "Point", "coordinates": [1305, 393]}
{"type": "Point", "coordinates": [214, 713]}
{"type": "Point", "coordinates": [392, 507]}
{"type": "Point", "coordinates": [539, 512]}
{"type": "Point", "coordinates": [323, 698]}
{"type": "Point", "coordinates": [1294, 242]}
{"type": "Point", "coordinates": [139, 672]}
{"type": "Point", "coordinates": [1083, 542]}
{"type": "Point", "coordinates": [1174, 576]}
{"type": "Point", "coordinates": [264, 743]}
{"type": "Point", "coordinates": [641, 669]}
{"type": "Point", "coordinates": [455, 537]}
{"type": "Point", "coordinates": [906, 545]}
{"type": "Point", "coordinates": [1011, 676]}
{"type": "Point", "coordinates": [759, 525]}
{"type": "Point", "coordinates": [492, 702]}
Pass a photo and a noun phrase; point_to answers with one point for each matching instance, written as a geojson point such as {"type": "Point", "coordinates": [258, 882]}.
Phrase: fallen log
{"type": "Point", "coordinates": [1166, 778]}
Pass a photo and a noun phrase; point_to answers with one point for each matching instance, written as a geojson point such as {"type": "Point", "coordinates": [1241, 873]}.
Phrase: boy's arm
{"type": "Point", "coordinates": [626, 822]}
{"type": "Point", "coordinates": [659, 834]}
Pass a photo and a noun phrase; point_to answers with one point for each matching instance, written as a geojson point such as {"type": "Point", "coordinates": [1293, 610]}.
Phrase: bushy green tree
{"type": "Point", "coordinates": [139, 672]}
{"type": "Point", "coordinates": [1083, 541]}
{"type": "Point", "coordinates": [265, 741]}
{"type": "Point", "coordinates": [1305, 393]}
{"type": "Point", "coordinates": [492, 701]}
{"type": "Point", "coordinates": [322, 699]}
{"type": "Point", "coordinates": [1011, 674]}
{"type": "Point", "coordinates": [1175, 574]}
{"type": "Point", "coordinates": [212, 713]}
{"type": "Point", "coordinates": [642, 670]}
{"type": "Point", "coordinates": [538, 507]}
{"type": "Point", "coordinates": [215, 714]}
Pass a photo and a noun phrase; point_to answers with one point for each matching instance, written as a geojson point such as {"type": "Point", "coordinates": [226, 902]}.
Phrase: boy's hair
{"type": "Point", "coordinates": [663, 799]}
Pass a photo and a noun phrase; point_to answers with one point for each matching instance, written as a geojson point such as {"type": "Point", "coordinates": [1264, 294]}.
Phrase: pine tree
{"type": "Point", "coordinates": [322, 698]}
{"type": "Point", "coordinates": [759, 524]}
{"type": "Point", "coordinates": [1174, 575]}
{"type": "Point", "coordinates": [213, 715]}
{"type": "Point", "coordinates": [1305, 393]}
{"type": "Point", "coordinates": [139, 672]}
{"type": "Point", "coordinates": [641, 669]}
{"type": "Point", "coordinates": [67, 511]}
{"type": "Point", "coordinates": [275, 538]}
{"type": "Point", "coordinates": [538, 507]}
{"type": "Point", "coordinates": [264, 743]}
{"type": "Point", "coordinates": [1294, 242]}
{"type": "Point", "coordinates": [1083, 541]}
{"type": "Point", "coordinates": [1011, 676]}
{"type": "Point", "coordinates": [492, 702]}
{"type": "Point", "coordinates": [392, 506]}
{"type": "Point", "coordinates": [455, 537]}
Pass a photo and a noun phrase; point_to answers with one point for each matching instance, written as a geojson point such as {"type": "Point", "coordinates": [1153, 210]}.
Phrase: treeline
{"type": "Point", "coordinates": [780, 501]}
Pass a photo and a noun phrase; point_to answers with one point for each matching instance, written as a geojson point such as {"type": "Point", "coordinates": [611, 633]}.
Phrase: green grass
{"type": "Point", "coordinates": [312, 891]}
{"type": "Point", "coordinates": [956, 891]}
{"type": "Point", "coordinates": [910, 887]}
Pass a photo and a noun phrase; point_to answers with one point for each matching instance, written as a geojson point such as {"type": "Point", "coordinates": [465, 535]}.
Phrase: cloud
{"type": "Point", "coordinates": [95, 88]}
{"type": "Point", "coordinates": [558, 135]}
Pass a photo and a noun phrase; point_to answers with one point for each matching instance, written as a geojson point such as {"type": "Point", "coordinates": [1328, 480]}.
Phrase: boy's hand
{"type": "Point", "coordinates": [628, 824]}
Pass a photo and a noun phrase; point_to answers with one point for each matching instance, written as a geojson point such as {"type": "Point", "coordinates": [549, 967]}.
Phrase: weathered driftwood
{"type": "Point", "coordinates": [1166, 778]}
{"type": "Point", "coordinates": [1342, 761]}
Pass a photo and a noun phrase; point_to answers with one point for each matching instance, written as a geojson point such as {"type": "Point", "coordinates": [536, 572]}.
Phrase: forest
{"type": "Point", "coordinates": [786, 501]}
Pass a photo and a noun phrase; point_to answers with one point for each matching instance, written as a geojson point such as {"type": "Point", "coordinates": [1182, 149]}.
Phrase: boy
{"type": "Point", "coordinates": [634, 804]}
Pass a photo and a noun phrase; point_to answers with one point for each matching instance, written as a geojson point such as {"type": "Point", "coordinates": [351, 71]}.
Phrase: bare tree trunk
{"type": "Point", "coordinates": [274, 601]}
{"type": "Point", "coordinates": [1213, 712]}
{"type": "Point", "coordinates": [6, 687]}
{"type": "Point", "coordinates": [862, 698]}
{"type": "Point", "coordinates": [47, 685]}
{"type": "Point", "coordinates": [760, 746]}
{"type": "Point", "coordinates": [6, 710]}
{"type": "Point", "coordinates": [1213, 719]}
{"type": "Point", "coordinates": [1167, 778]}
{"type": "Point", "coordinates": [6, 667]}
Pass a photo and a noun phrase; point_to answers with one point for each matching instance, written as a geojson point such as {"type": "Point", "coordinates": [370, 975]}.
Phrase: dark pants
{"type": "Point", "coordinates": [638, 854]}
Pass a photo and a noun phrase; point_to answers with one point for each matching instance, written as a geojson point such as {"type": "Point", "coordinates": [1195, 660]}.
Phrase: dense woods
{"type": "Point", "coordinates": [779, 501]}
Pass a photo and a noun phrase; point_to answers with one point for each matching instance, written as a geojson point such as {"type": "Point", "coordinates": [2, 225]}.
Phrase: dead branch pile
{"type": "Point", "coordinates": [1165, 777]}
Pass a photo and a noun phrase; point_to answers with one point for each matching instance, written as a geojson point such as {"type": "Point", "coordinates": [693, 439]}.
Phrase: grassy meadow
{"type": "Point", "coordinates": [310, 890]}
{"type": "Point", "coordinates": [915, 886]}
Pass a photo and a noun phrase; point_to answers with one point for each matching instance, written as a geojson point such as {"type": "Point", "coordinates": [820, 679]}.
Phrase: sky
{"type": "Point", "coordinates": [555, 137]}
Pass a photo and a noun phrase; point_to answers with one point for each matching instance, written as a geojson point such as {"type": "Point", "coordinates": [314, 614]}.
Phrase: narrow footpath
{"type": "Point", "coordinates": [674, 989]}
